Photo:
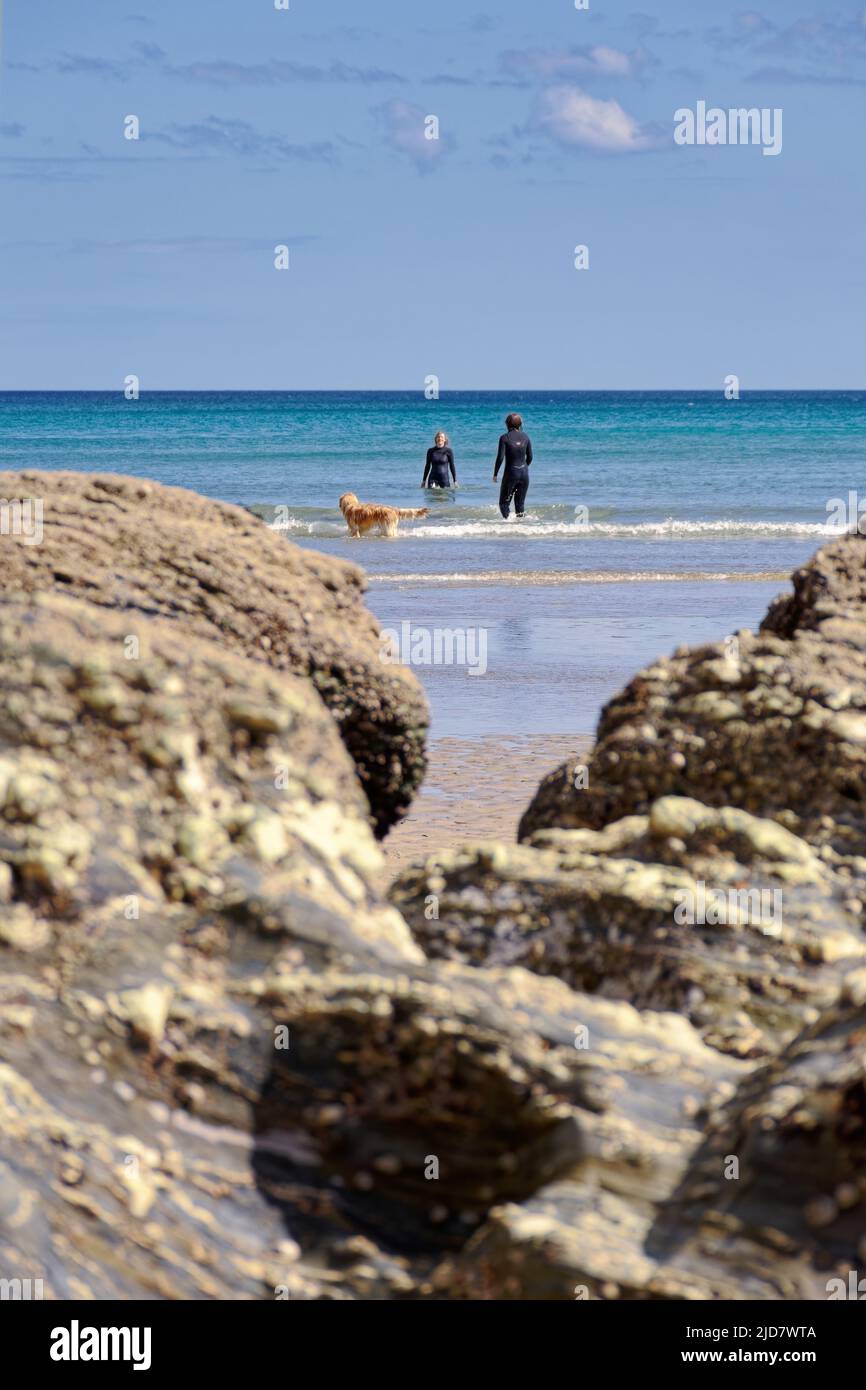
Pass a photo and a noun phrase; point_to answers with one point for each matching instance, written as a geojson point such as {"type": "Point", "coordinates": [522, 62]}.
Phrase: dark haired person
{"type": "Point", "coordinates": [515, 451]}
{"type": "Point", "coordinates": [439, 460]}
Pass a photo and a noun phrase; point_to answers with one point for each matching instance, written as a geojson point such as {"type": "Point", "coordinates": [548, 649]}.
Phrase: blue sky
{"type": "Point", "coordinates": [412, 257]}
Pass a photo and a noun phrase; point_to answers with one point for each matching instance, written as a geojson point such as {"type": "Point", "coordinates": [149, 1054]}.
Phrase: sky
{"type": "Point", "coordinates": [411, 257]}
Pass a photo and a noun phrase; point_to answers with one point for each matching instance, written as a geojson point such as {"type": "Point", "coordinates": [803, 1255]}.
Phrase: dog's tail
{"type": "Point", "coordinates": [409, 512]}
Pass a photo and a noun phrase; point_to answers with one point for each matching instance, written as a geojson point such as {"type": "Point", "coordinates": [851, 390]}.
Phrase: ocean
{"type": "Point", "coordinates": [653, 518]}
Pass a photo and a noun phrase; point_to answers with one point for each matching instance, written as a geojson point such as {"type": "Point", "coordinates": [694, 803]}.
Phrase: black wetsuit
{"type": "Point", "coordinates": [438, 463]}
{"type": "Point", "coordinates": [515, 451]}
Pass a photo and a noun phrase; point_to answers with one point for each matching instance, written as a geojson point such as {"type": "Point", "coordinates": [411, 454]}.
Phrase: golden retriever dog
{"type": "Point", "coordinates": [362, 517]}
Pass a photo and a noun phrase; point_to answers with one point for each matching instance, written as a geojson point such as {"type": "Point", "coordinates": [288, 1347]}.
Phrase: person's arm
{"type": "Point", "coordinates": [426, 468]}
{"type": "Point", "coordinates": [500, 457]}
{"type": "Point", "coordinates": [451, 465]}
{"type": "Point", "coordinates": [528, 450]}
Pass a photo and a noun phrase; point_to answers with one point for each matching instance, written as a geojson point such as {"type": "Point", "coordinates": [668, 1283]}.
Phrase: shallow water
{"type": "Point", "coordinates": [554, 656]}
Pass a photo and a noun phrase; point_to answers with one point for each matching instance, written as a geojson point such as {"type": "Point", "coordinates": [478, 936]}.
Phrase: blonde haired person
{"type": "Point", "coordinates": [439, 460]}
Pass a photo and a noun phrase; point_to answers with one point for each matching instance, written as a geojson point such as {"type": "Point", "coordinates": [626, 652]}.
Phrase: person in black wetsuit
{"type": "Point", "coordinates": [515, 451]}
{"type": "Point", "coordinates": [439, 460]}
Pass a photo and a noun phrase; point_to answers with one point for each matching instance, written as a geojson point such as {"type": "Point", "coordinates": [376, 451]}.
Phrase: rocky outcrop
{"type": "Point", "coordinates": [229, 1070]}
{"type": "Point", "coordinates": [770, 1205]}
{"type": "Point", "coordinates": [773, 723]}
{"type": "Point", "coordinates": [731, 920]}
{"type": "Point", "coordinates": [219, 573]}
{"type": "Point", "coordinates": [786, 740]}
{"type": "Point", "coordinates": [829, 593]}
{"type": "Point", "coordinates": [173, 816]}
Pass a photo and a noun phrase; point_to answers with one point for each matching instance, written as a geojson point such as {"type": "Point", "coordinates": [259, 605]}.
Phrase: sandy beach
{"type": "Point", "coordinates": [476, 789]}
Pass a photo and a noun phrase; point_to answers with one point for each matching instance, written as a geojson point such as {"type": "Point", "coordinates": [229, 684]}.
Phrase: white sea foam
{"type": "Point", "coordinates": [671, 527]}
{"type": "Point", "coordinates": [564, 577]}
{"type": "Point", "coordinates": [535, 528]}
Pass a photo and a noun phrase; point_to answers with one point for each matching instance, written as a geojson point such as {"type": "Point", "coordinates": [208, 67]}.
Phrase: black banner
{"type": "Point", "coordinates": [79, 1339]}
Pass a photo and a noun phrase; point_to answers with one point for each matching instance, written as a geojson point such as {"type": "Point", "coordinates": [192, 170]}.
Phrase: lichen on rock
{"type": "Point", "coordinates": [220, 573]}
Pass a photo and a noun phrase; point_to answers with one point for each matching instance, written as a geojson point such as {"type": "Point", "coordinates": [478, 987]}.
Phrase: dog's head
{"type": "Point", "coordinates": [348, 499]}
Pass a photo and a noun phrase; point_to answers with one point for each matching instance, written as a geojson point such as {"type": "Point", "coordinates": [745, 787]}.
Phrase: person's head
{"type": "Point", "coordinates": [514, 422]}
{"type": "Point", "coordinates": [441, 440]}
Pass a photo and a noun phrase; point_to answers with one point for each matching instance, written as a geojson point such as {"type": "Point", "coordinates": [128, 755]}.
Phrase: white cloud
{"type": "Point", "coordinates": [599, 61]}
{"type": "Point", "coordinates": [408, 129]}
{"type": "Point", "coordinates": [611, 61]}
{"type": "Point", "coordinates": [576, 118]}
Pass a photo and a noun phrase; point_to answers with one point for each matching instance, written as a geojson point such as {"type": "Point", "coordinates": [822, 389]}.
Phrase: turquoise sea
{"type": "Point", "coordinates": [653, 518]}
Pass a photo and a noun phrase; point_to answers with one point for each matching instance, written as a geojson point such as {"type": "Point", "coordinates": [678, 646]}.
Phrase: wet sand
{"type": "Point", "coordinates": [476, 789]}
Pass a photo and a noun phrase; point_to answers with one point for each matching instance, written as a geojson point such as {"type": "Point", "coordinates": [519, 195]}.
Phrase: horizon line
{"type": "Point", "coordinates": [415, 391]}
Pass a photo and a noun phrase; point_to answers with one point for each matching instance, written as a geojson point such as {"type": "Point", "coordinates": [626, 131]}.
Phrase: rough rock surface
{"type": "Point", "coordinates": [608, 911]}
{"type": "Point", "coordinates": [773, 722]}
{"type": "Point", "coordinates": [220, 573]}
{"type": "Point", "coordinates": [226, 1066]}
{"type": "Point", "coordinates": [771, 1204]}
{"type": "Point", "coordinates": [229, 1070]}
